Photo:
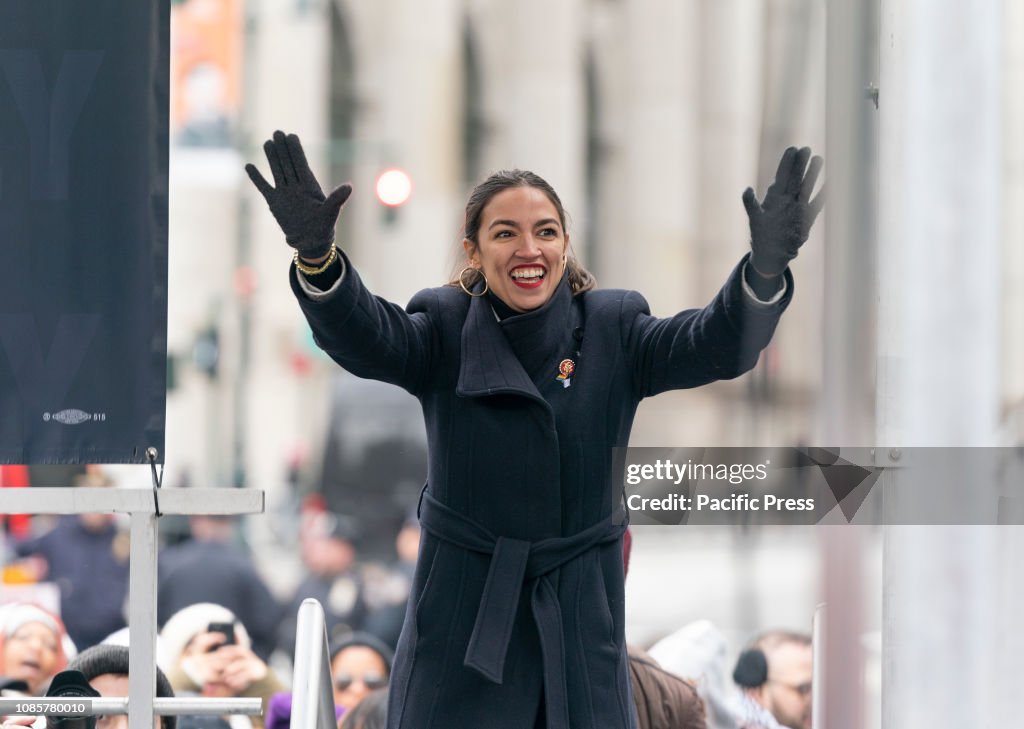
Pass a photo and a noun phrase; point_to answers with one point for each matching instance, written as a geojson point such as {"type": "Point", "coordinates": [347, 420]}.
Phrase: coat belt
{"type": "Point", "coordinates": [515, 562]}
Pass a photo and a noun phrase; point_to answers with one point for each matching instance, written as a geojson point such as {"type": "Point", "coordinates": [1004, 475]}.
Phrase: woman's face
{"type": "Point", "coordinates": [30, 654]}
{"type": "Point", "coordinates": [520, 247]}
{"type": "Point", "coordinates": [357, 670]}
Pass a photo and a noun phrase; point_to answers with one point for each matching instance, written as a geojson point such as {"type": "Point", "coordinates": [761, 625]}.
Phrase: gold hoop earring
{"type": "Point", "coordinates": [462, 282]}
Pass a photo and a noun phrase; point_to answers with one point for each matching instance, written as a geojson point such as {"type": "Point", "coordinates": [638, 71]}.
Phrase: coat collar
{"type": "Point", "coordinates": [492, 350]}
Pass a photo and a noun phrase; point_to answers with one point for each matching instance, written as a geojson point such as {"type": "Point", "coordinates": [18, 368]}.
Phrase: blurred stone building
{"type": "Point", "coordinates": [649, 118]}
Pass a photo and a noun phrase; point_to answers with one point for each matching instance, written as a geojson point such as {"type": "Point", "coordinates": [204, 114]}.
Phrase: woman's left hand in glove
{"type": "Point", "coordinates": [781, 222]}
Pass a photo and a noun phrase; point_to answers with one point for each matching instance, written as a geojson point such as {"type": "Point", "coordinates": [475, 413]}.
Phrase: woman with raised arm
{"type": "Point", "coordinates": [528, 377]}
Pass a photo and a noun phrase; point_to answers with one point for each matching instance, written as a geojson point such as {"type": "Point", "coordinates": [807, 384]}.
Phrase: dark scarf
{"type": "Point", "coordinates": [540, 334]}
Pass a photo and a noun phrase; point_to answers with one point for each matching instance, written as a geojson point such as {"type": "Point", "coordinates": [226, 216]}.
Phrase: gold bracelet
{"type": "Point", "coordinates": [310, 271]}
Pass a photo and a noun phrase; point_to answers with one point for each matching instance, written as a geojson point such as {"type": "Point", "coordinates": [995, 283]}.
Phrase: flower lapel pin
{"type": "Point", "coordinates": [565, 370]}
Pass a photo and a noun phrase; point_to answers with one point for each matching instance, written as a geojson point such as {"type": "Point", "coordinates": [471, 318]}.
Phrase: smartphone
{"type": "Point", "coordinates": [227, 629]}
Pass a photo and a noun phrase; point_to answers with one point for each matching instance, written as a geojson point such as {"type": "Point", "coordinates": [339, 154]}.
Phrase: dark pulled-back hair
{"type": "Point", "coordinates": [580, 279]}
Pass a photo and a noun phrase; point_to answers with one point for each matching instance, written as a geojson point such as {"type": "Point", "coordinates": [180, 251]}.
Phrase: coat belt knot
{"type": "Point", "coordinates": [515, 562]}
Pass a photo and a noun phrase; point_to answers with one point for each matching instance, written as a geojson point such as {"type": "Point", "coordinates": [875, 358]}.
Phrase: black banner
{"type": "Point", "coordinates": [83, 229]}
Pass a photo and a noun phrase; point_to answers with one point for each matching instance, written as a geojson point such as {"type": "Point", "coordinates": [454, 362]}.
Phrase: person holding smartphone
{"type": "Point", "coordinates": [207, 651]}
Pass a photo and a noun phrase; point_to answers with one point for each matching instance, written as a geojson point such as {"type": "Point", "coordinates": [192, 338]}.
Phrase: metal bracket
{"type": "Point", "coordinates": [158, 480]}
{"type": "Point", "coordinates": [871, 93]}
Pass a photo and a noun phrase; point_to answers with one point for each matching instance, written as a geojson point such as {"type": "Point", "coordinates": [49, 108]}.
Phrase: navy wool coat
{"type": "Point", "coordinates": [516, 615]}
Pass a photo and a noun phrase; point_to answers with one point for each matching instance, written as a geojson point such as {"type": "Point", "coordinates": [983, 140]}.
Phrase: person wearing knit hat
{"type": "Point", "coordinates": [199, 658]}
{"type": "Point", "coordinates": [33, 645]}
{"type": "Point", "coordinates": [187, 623]}
{"type": "Point", "coordinates": [105, 667]}
{"type": "Point", "coordinates": [360, 663]}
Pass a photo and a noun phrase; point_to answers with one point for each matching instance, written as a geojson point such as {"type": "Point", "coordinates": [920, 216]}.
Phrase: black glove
{"type": "Point", "coordinates": [781, 224]}
{"type": "Point", "coordinates": [297, 202]}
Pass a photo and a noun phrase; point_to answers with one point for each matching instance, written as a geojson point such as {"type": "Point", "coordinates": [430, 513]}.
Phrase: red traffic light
{"type": "Point", "coordinates": [394, 186]}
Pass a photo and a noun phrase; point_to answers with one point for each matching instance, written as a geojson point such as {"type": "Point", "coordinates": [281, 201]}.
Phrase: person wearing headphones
{"type": "Point", "coordinates": [774, 673]}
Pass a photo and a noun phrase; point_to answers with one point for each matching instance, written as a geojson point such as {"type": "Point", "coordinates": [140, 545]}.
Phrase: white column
{"type": "Point", "coordinates": [1013, 220]}
{"type": "Point", "coordinates": [409, 76]}
{"type": "Point", "coordinates": [847, 395]}
{"type": "Point", "coordinates": [732, 40]}
{"type": "Point", "coordinates": [1011, 595]}
{"type": "Point", "coordinates": [659, 158]}
{"type": "Point", "coordinates": [939, 190]}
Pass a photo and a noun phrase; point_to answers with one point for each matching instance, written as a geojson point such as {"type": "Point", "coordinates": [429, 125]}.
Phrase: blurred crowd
{"type": "Point", "coordinates": [224, 633]}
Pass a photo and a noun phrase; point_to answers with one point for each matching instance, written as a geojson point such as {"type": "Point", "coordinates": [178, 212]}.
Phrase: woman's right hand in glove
{"type": "Point", "coordinates": [305, 215]}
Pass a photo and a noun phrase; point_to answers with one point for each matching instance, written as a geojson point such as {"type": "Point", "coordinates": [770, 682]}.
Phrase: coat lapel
{"type": "Point", "coordinates": [489, 365]}
{"type": "Point", "coordinates": [493, 351]}
{"type": "Point", "coordinates": [542, 337]}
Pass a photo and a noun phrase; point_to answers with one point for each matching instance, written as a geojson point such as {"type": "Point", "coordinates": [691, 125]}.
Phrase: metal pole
{"type": "Point", "coordinates": [313, 703]}
{"type": "Point", "coordinates": [851, 127]}
{"type": "Point", "coordinates": [939, 211]}
{"type": "Point", "coordinates": [142, 621]}
{"type": "Point", "coordinates": [846, 414]}
{"type": "Point", "coordinates": [839, 642]}
{"type": "Point", "coordinates": [118, 705]}
{"type": "Point", "coordinates": [819, 625]}
{"type": "Point", "coordinates": [83, 500]}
